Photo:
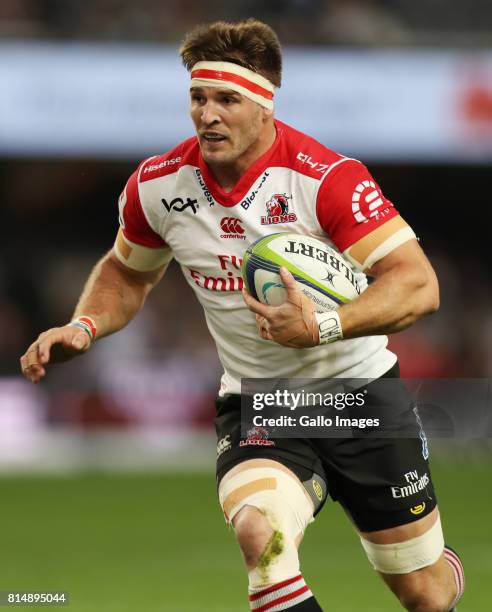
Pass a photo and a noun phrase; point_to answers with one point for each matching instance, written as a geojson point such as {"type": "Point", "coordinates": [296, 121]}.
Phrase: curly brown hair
{"type": "Point", "coordinates": [249, 43]}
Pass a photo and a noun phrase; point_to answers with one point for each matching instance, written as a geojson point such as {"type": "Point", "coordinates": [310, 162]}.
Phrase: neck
{"type": "Point", "coordinates": [227, 175]}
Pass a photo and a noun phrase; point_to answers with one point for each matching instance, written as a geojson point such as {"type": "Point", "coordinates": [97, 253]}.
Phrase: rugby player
{"type": "Point", "coordinates": [244, 175]}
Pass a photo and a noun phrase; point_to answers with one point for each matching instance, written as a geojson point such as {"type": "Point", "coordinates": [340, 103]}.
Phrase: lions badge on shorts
{"type": "Point", "coordinates": [257, 436]}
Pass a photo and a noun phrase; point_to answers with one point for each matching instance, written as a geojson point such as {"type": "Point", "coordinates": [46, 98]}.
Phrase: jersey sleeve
{"type": "Point", "coordinates": [350, 204]}
{"type": "Point", "coordinates": [138, 245]}
{"type": "Point", "coordinates": [133, 222]}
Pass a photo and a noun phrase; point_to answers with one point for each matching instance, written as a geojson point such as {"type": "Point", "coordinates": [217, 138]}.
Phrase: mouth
{"type": "Point", "coordinates": [213, 137]}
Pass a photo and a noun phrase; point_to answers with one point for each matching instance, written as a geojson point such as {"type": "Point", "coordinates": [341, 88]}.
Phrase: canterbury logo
{"type": "Point", "coordinates": [231, 225]}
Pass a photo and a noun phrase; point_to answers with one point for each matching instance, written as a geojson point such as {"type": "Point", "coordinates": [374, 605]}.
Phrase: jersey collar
{"type": "Point", "coordinates": [248, 179]}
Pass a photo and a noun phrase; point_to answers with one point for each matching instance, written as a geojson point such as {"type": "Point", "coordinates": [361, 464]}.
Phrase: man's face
{"type": "Point", "coordinates": [227, 123]}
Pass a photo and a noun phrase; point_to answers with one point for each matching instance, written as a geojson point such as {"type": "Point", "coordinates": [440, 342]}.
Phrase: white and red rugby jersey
{"type": "Point", "coordinates": [297, 186]}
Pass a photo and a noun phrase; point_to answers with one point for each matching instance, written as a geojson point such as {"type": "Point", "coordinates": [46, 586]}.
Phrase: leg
{"type": "Point", "coordinates": [269, 509]}
{"type": "Point", "coordinates": [413, 562]}
{"type": "Point", "coordinates": [384, 484]}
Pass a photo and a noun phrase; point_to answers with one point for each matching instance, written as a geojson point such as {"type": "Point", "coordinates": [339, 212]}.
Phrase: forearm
{"type": "Point", "coordinates": [393, 302]}
{"type": "Point", "coordinates": [112, 295]}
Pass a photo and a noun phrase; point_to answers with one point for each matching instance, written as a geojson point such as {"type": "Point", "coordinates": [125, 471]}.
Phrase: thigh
{"type": "Point", "coordinates": [382, 482]}
{"type": "Point", "coordinates": [236, 452]}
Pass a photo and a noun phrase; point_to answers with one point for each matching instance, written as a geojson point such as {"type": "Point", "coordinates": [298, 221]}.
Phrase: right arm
{"type": "Point", "coordinates": [112, 296]}
{"type": "Point", "coordinates": [114, 293]}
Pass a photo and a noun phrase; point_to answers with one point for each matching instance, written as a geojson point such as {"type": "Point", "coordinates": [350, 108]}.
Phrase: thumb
{"type": "Point", "coordinates": [288, 281]}
{"type": "Point", "coordinates": [81, 341]}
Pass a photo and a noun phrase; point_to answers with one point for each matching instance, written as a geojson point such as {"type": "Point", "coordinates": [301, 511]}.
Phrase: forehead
{"type": "Point", "coordinates": [214, 91]}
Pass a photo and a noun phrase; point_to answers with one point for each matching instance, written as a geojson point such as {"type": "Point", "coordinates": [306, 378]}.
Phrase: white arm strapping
{"type": "Point", "coordinates": [141, 258]}
{"type": "Point", "coordinates": [390, 244]}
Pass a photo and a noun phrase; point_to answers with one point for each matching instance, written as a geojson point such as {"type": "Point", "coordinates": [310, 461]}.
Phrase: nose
{"type": "Point", "coordinates": [210, 113]}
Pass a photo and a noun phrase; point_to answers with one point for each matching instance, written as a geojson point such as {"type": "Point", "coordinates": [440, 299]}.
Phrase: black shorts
{"type": "Point", "coordinates": [381, 482]}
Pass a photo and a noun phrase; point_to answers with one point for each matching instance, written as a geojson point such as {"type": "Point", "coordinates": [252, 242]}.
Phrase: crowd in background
{"type": "Point", "coordinates": [327, 22]}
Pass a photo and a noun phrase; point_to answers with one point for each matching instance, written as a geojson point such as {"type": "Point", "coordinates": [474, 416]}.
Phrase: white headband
{"type": "Point", "coordinates": [235, 77]}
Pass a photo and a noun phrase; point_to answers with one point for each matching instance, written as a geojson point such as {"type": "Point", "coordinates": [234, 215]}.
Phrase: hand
{"type": "Point", "coordinates": [53, 346]}
{"type": "Point", "coordinates": [291, 324]}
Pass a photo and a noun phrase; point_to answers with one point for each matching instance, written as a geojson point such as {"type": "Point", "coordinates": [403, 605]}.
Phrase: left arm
{"type": "Point", "coordinates": [377, 241]}
{"type": "Point", "coordinates": [404, 290]}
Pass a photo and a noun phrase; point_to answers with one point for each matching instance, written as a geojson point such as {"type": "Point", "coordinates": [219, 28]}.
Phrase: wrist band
{"type": "Point", "coordinates": [329, 326]}
{"type": "Point", "coordinates": [86, 324]}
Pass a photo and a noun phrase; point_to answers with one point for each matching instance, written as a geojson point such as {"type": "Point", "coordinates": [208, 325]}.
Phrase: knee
{"type": "Point", "coordinates": [269, 510]}
{"type": "Point", "coordinates": [253, 533]}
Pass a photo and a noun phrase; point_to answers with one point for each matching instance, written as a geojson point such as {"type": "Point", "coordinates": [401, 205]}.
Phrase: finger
{"type": "Point", "coordinates": [260, 323]}
{"type": "Point", "coordinates": [265, 333]}
{"type": "Point", "coordinates": [255, 306]}
{"type": "Point", "coordinates": [81, 341]}
{"type": "Point", "coordinates": [44, 351]}
{"type": "Point", "coordinates": [35, 373]}
{"type": "Point", "coordinates": [288, 281]}
{"type": "Point", "coordinates": [31, 356]}
{"type": "Point", "coordinates": [45, 343]}
{"type": "Point", "coordinates": [31, 370]}
{"type": "Point", "coordinates": [67, 337]}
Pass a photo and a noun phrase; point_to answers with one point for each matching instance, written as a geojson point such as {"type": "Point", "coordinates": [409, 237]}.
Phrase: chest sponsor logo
{"type": "Point", "coordinates": [232, 228]}
{"type": "Point", "coordinates": [179, 205]}
{"type": "Point", "coordinates": [277, 209]}
{"type": "Point", "coordinates": [230, 278]}
{"type": "Point", "coordinates": [257, 436]}
{"type": "Point", "coordinates": [414, 484]}
{"type": "Point", "coordinates": [368, 202]}
{"type": "Point", "coordinates": [250, 198]}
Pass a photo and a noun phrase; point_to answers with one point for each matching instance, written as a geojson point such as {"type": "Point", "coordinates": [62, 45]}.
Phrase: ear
{"type": "Point", "coordinates": [267, 114]}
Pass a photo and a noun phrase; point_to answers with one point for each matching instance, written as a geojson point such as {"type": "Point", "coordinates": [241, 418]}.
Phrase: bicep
{"type": "Point", "coordinates": [378, 243]}
{"type": "Point", "coordinates": [132, 276]}
{"type": "Point", "coordinates": [139, 257]}
{"type": "Point", "coordinates": [406, 258]}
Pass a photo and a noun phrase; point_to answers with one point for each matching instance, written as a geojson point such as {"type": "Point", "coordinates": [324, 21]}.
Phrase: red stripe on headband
{"type": "Point", "coordinates": [219, 75]}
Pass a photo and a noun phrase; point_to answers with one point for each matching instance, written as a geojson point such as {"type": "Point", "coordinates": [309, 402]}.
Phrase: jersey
{"type": "Point", "coordinates": [173, 201]}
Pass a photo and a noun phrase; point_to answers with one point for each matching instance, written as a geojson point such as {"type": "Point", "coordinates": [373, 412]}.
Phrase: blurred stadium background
{"type": "Point", "coordinates": [106, 468]}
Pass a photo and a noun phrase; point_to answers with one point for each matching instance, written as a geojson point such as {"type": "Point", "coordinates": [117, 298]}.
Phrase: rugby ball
{"type": "Point", "coordinates": [321, 272]}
